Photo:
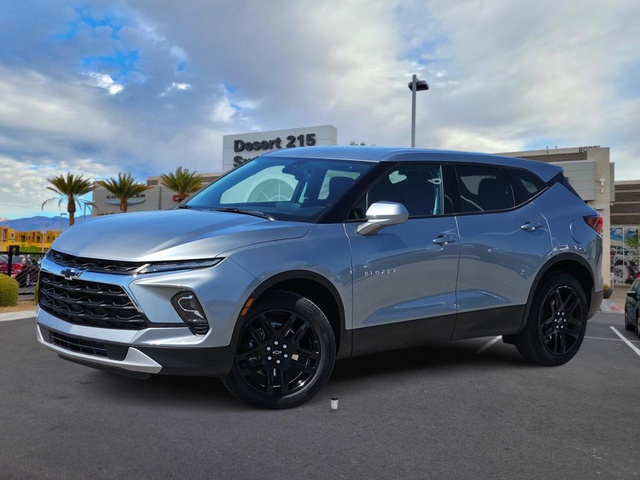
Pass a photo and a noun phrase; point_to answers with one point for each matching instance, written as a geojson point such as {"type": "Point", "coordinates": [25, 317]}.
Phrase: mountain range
{"type": "Point", "coordinates": [37, 223]}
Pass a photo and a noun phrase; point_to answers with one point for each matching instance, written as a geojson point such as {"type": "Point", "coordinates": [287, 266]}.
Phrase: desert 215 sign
{"type": "Point", "coordinates": [238, 149]}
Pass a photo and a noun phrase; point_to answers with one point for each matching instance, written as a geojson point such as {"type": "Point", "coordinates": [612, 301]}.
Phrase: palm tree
{"type": "Point", "coordinates": [183, 182]}
{"type": "Point", "coordinates": [123, 188]}
{"type": "Point", "coordinates": [68, 189]}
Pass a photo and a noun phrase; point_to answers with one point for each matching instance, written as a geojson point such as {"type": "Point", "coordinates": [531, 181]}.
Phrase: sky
{"type": "Point", "coordinates": [144, 86]}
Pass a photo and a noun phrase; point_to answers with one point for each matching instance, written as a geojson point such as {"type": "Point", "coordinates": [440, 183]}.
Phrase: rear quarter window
{"type": "Point", "coordinates": [526, 185]}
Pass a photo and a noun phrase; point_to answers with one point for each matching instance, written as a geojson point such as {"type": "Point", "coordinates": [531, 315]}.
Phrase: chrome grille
{"type": "Point", "coordinates": [93, 264]}
{"type": "Point", "coordinates": [88, 303]}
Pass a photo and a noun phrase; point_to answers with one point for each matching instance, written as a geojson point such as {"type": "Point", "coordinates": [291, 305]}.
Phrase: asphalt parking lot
{"type": "Point", "coordinates": [470, 409]}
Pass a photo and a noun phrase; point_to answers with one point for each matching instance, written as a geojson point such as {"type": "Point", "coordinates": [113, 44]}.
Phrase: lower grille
{"type": "Point", "coordinates": [88, 347]}
{"type": "Point", "coordinates": [88, 303]}
{"type": "Point", "coordinates": [79, 345]}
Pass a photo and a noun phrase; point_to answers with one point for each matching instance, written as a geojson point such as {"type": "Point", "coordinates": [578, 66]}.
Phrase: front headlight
{"type": "Point", "coordinates": [179, 265]}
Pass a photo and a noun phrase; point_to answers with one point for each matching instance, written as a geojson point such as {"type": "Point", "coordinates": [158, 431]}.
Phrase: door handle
{"type": "Point", "coordinates": [531, 226]}
{"type": "Point", "coordinates": [444, 239]}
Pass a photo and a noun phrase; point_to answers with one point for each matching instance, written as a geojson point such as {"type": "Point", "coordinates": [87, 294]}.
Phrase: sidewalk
{"type": "Point", "coordinates": [7, 317]}
{"type": "Point", "coordinates": [615, 303]}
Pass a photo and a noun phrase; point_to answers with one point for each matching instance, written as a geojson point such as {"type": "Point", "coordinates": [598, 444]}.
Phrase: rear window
{"type": "Point", "coordinates": [483, 189]}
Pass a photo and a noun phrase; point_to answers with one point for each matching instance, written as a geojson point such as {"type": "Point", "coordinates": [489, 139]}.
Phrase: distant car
{"type": "Point", "coordinates": [23, 268]}
{"type": "Point", "coordinates": [16, 265]}
{"type": "Point", "coordinates": [28, 272]}
{"type": "Point", "coordinates": [632, 307]}
{"type": "Point", "coordinates": [303, 256]}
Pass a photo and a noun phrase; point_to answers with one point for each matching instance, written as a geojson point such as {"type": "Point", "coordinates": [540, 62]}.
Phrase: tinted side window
{"type": "Point", "coordinates": [418, 187]}
{"type": "Point", "coordinates": [483, 189]}
{"type": "Point", "coordinates": [527, 185]}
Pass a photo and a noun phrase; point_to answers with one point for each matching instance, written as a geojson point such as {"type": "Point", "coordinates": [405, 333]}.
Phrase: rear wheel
{"type": "Point", "coordinates": [285, 353]}
{"type": "Point", "coordinates": [557, 322]}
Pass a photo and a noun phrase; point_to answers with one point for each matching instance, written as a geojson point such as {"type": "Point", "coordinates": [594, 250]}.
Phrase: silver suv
{"type": "Point", "coordinates": [305, 256]}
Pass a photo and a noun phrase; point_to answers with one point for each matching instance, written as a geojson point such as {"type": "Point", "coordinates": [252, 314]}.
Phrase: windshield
{"type": "Point", "coordinates": [281, 188]}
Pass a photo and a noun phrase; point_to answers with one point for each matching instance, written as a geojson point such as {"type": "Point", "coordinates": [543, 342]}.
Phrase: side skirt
{"type": "Point", "coordinates": [492, 321]}
{"type": "Point", "coordinates": [480, 323]}
{"type": "Point", "coordinates": [399, 335]}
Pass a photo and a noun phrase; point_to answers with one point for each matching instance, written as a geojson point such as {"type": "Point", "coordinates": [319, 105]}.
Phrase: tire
{"type": "Point", "coordinates": [285, 353]}
{"type": "Point", "coordinates": [628, 326]}
{"type": "Point", "coordinates": [638, 323]}
{"type": "Point", "coordinates": [557, 322]}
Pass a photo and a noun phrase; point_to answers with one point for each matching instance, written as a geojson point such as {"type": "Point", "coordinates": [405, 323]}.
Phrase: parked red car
{"type": "Point", "coordinates": [23, 269]}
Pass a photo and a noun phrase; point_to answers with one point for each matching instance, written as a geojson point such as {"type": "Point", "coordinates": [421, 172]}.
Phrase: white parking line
{"type": "Point", "coordinates": [630, 345]}
{"type": "Point", "coordinates": [491, 342]}
{"type": "Point", "coordinates": [486, 346]}
{"type": "Point", "coordinates": [602, 338]}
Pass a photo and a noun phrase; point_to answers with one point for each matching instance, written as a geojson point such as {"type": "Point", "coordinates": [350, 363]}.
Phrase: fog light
{"type": "Point", "coordinates": [190, 311]}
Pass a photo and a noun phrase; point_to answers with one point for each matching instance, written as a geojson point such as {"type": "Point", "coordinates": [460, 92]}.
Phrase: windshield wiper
{"type": "Point", "coordinates": [254, 213]}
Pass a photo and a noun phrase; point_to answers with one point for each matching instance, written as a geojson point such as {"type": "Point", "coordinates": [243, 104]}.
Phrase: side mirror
{"type": "Point", "coordinates": [383, 214]}
{"type": "Point", "coordinates": [633, 294]}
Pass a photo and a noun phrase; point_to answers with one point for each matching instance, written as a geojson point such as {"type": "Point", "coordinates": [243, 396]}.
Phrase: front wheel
{"type": "Point", "coordinates": [629, 326]}
{"type": "Point", "coordinates": [285, 352]}
{"type": "Point", "coordinates": [557, 322]}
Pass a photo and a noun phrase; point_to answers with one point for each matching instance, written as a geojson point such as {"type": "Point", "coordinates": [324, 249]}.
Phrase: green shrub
{"type": "Point", "coordinates": [8, 291]}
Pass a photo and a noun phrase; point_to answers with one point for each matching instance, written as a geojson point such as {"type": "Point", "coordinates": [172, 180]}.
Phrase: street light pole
{"type": "Point", "coordinates": [415, 86]}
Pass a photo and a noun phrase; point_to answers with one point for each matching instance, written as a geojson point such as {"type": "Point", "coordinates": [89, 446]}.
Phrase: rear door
{"type": "Point", "coordinates": [502, 247]}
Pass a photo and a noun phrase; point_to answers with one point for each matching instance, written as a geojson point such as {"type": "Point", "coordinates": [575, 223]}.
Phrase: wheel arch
{"type": "Point", "coordinates": [314, 287]}
{"type": "Point", "coordinates": [571, 264]}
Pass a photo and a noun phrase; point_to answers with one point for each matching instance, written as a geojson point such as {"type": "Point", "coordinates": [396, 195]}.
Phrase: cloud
{"type": "Point", "coordinates": [144, 86]}
{"type": "Point", "coordinates": [105, 81]}
{"type": "Point", "coordinates": [175, 86]}
{"type": "Point", "coordinates": [25, 190]}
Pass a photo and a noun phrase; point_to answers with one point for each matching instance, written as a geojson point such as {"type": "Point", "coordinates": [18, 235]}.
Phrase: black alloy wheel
{"type": "Point", "coordinates": [562, 320]}
{"type": "Point", "coordinates": [285, 352]}
{"type": "Point", "coordinates": [557, 322]}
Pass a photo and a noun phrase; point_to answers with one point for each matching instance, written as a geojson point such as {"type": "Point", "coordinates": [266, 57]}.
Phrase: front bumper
{"type": "Point", "coordinates": [159, 343]}
{"type": "Point", "coordinates": [140, 359]}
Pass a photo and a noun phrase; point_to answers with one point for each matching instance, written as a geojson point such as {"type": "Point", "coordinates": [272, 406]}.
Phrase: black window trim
{"type": "Point", "coordinates": [512, 181]}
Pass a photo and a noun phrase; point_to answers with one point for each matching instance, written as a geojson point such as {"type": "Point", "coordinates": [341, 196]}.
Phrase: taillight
{"type": "Point", "coordinates": [595, 222]}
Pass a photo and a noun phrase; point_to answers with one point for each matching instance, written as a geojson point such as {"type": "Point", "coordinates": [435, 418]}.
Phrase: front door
{"type": "Point", "coordinates": [404, 276]}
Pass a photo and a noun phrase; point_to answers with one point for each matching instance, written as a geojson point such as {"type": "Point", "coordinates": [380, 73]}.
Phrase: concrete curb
{"type": "Point", "coordinates": [8, 317]}
{"type": "Point", "coordinates": [609, 306]}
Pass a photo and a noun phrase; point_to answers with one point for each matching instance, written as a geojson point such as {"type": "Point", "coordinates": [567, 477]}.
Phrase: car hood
{"type": "Point", "coordinates": [171, 235]}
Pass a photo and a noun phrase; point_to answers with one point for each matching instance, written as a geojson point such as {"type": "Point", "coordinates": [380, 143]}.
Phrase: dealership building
{"type": "Point", "coordinates": [588, 169]}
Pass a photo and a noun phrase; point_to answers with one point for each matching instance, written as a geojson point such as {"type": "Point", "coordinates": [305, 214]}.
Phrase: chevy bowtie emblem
{"type": "Point", "coordinates": [70, 273]}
